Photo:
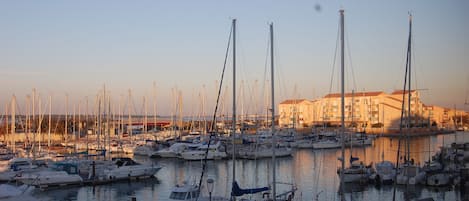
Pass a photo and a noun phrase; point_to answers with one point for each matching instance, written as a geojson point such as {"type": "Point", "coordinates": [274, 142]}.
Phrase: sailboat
{"type": "Point", "coordinates": [192, 191]}
{"type": "Point", "coordinates": [268, 195]}
{"type": "Point", "coordinates": [409, 173]}
{"type": "Point", "coordinates": [236, 190]}
{"type": "Point", "coordinates": [357, 171]}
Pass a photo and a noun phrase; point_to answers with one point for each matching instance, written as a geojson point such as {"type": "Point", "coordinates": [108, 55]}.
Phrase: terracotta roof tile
{"type": "Point", "coordinates": [401, 91]}
{"type": "Point", "coordinates": [356, 94]}
{"type": "Point", "coordinates": [293, 101]}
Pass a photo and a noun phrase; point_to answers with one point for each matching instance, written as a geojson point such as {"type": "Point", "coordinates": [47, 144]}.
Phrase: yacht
{"type": "Point", "coordinates": [173, 151]}
{"type": "Point", "coordinates": [60, 174]}
{"type": "Point", "coordinates": [214, 152]}
{"type": "Point", "coordinates": [264, 151]}
{"type": "Point", "coordinates": [191, 192]}
{"type": "Point", "coordinates": [385, 172]}
{"type": "Point", "coordinates": [126, 168]}
{"type": "Point", "coordinates": [327, 143]}
{"type": "Point", "coordinates": [357, 172]}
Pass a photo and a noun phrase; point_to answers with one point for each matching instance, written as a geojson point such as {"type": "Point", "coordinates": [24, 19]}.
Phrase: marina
{"type": "Point", "coordinates": [313, 171]}
{"type": "Point", "coordinates": [254, 136]}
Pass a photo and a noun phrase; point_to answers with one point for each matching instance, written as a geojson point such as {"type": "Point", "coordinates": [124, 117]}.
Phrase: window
{"type": "Point", "coordinates": [178, 195]}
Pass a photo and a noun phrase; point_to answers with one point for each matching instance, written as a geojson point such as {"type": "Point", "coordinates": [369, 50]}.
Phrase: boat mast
{"type": "Point", "coordinates": [13, 122]}
{"type": "Point", "coordinates": [409, 56]}
{"type": "Point", "coordinates": [6, 124]}
{"type": "Point", "coordinates": [129, 128]}
{"type": "Point", "coordinates": [74, 131]}
{"type": "Point", "coordinates": [233, 119]}
{"type": "Point", "coordinates": [274, 140]}
{"type": "Point", "coordinates": [79, 121]}
{"type": "Point", "coordinates": [154, 106]}
{"type": "Point", "coordinates": [403, 112]}
{"type": "Point", "coordinates": [108, 125]}
{"type": "Point", "coordinates": [104, 120]}
{"type": "Point", "coordinates": [145, 119]}
{"type": "Point", "coordinates": [50, 121]}
{"type": "Point", "coordinates": [86, 122]}
{"type": "Point", "coordinates": [342, 92]}
{"type": "Point", "coordinates": [180, 124]}
{"type": "Point", "coordinates": [66, 120]}
{"type": "Point", "coordinates": [39, 131]}
{"type": "Point", "coordinates": [99, 122]}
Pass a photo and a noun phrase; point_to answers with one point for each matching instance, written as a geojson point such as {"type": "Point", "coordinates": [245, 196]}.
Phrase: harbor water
{"type": "Point", "coordinates": [314, 172]}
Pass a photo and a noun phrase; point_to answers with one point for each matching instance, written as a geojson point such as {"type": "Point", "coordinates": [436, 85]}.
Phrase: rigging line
{"type": "Point", "coordinates": [21, 121]}
{"type": "Point", "coordinates": [281, 84]}
{"type": "Point", "coordinates": [266, 63]}
{"type": "Point", "coordinates": [414, 61]}
{"type": "Point", "coordinates": [467, 91]}
{"type": "Point", "coordinates": [402, 107]}
{"type": "Point", "coordinates": [350, 59]}
{"type": "Point", "coordinates": [204, 166]}
{"type": "Point", "coordinates": [335, 57]}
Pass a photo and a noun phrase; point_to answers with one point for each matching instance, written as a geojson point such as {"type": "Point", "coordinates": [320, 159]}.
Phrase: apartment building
{"type": "Point", "coordinates": [364, 110]}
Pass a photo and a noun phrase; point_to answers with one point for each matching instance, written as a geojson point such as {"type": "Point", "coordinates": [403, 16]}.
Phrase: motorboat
{"type": "Point", "coordinates": [126, 168]}
{"type": "Point", "coordinates": [328, 143]}
{"type": "Point", "coordinates": [173, 151]}
{"type": "Point", "coordinates": [385, 172]}
{"type": "Point", "coordinates": [60, 174]}
{"type": "Point", "coordinates": [212, 152]}
{"type": "Point", "coordinates": [188, 191]}
{"type": "Point", "coordinates": [357, 172]}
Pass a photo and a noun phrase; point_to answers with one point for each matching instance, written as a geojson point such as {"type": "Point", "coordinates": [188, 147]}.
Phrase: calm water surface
{"type": "Point", "coordinates": [313, 171]}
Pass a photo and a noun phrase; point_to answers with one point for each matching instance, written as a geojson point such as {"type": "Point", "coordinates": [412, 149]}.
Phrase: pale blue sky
{"type": "Point", "coordinates": [76, 47]}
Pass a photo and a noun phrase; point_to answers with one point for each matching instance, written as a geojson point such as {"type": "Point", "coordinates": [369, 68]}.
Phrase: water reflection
{"type": "Point", "coordinates": [313, 171]}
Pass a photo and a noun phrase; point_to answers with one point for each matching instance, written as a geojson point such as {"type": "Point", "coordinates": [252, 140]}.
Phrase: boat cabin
{"type": "Point", "coordinates": [184, 192]}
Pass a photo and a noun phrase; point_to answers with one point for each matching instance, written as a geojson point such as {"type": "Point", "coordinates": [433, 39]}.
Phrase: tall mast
{"type": "Point", "coordinates": [74, 130]}
{"type": "Point", "coordinates": [154, 106]}
{"type": "Point", "coordinates": [33, 122]}
{"type": "Point", "coordinates": [79, 120]}
{"type": "Point", "coordinates": [129, 128]}
{"type": "Point", "coordinates": [274, 140]}
{"type": "Point", "coordinates": [145, 113]}
{"type": "Point", "coordinates": [342, 99]}
{"type": "Point", "coordinates": [66, 120]}
{"type": "Point", "coordinates": [409, 56]}
{"type": "Point", "coordinates": [39, 126]}
{"type": "Point", "coordinates": [6, 124]}
{"type": "Point", "coordinates": [28, 120]}
{"type": "Point", "coordinates": [204, 132]}
{"type": "Point", "coordinates": [403, 110]}
{"type": "Point", "coordinates": [99, 122]}
{"type": "Point", "coordinates": [86, 121]}
{"type": "Point", "coordinates": [50, 122]}
{"type": "Point", "coordinates": [104, 121]}
{"type": "Point", "coordinates": [181, 126]}
{"type": "Point", "coordinates": [121, 117]}
{"type": "Point", "coordinates": [13, 122]}
{"type": "Point", "coordinates": [233, 118]}
{"type": "Point", "coordinates": [108, 125]}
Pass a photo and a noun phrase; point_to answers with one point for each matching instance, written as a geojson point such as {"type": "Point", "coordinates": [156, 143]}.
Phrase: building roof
{"type": "Point", "coordinates": [401, 92]}
{"type": "Point", "coordinates": [293, 101]}
{"type": "Point", "coordinates": [356, 94]}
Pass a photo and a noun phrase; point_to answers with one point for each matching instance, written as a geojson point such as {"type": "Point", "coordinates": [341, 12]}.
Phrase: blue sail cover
{"type": "Point", "coordinates": [353, 159]}
{"type": "Point", "coordinates": [237, 191]}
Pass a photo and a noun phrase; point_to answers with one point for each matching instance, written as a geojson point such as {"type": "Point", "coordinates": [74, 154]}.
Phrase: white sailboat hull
{"type": "Point", "coordinates": [327, 144]}
{"type": "Point", "coordinates": [265, 153]}
{"type": "Point", "coordinates": [134, 171]}
{"type": "Point", "coordinates": [200, 155]}
{"type": "Point", "coordinates": [48, 178]}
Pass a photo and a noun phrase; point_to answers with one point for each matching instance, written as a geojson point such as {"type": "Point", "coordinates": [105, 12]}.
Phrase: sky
{"type": "Point", "coordinates": [77, 48]}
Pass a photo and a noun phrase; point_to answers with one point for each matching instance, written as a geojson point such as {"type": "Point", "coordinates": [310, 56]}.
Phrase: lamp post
{"type": "Point", "coordinates": [210, 188]}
